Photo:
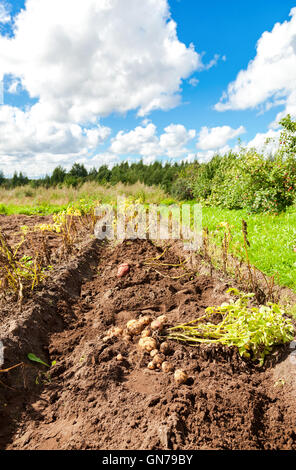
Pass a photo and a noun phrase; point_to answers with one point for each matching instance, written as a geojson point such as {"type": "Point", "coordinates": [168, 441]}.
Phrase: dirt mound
{"type": "Point", "coordinates": [90, 400]}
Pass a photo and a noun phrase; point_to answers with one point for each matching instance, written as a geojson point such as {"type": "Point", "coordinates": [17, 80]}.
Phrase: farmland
{"type": "Point", "coordinates": [78, 316]}
{"type": "Point", "coordinates": [135, 342]}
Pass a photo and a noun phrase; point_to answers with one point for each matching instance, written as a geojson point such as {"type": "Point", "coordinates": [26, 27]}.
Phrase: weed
{"type": "Point", "coordinates": [222, 250]}
{"type": "Point", "coordinates": [67, 223]}
{"type": "Point", "coordinates": [44, 377]}
{"type": "Point", "coordinates": [3, 209]}
{"type": "Point", "coordinates": [19, 274]}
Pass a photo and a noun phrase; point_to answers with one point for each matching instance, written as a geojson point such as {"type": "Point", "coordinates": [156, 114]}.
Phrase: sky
{"type": "Point", "coordinates": [102, 81]}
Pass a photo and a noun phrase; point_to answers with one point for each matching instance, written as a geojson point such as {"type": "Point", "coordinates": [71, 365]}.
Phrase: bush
{"type": "Point", "coordinates": [72, 181]}
{"type": "Point", "coordinates": [248, 180]}
{"type": "Point", "coordinates": [182, 190]}
{"type": "Point", "coordinates": [270, 184]}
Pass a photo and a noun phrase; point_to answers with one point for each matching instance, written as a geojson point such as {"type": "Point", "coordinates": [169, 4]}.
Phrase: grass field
{"type": "Point", "coordinates": [272, 238]}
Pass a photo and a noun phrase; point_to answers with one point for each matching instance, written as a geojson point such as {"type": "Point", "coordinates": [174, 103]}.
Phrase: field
{"type": "Point", "coordinates": [30, 201]}
{"type": "Point", "coordinates": [96, 391]}
{"type": "Point", "coordinates": [272, 237]}
{"type": "Point", "coordinates": [147, 228]}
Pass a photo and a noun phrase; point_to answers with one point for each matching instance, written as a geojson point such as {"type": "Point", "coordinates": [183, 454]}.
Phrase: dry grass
{"type": "Point", "coordinates": [30, 197]}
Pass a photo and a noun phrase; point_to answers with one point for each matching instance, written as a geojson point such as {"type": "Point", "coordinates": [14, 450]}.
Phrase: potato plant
{"type": "Point", "coordinates": [253, 330]}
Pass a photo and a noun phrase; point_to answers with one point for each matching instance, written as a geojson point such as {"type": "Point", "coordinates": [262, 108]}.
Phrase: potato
{"type": "Point", "coordinates": [154, 352]}
{"type": "Point", "coordinates": [156, 325]}
{"type": "Point", "coordinates": [147, 344]}
{"type": "Point", "coordinates": [134, 327]}
{"type": "Point", "coordinates": [145, 333]}
{"type": "Point", "coordinates": [146, 320]}
{"type": "Point", "coordinates": [158, 359]}
{"type": "Point", "coordinates": [180, 376]}
{"type": "Point", "coordinates": [115, 331]}
{"type": "Point", "coordinates": [167, 367]}
{"type": "Point", "coordinates": [164, 348]}
{"type": "Point", "coordinates": [163, 319]}
{"type": "Point", "coordinates": [123, 269]}
{"type": "Point", "coordinates": [159, 322]}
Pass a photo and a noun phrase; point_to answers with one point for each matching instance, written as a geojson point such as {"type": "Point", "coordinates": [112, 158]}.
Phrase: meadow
{"type": "Point", "coordinates": [45, 201]}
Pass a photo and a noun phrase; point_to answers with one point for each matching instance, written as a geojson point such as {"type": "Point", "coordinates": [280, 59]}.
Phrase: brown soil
{"type": "Point", "coordinates": [90, 400]}
{"type": "Point", "coordinates": [11, 227]}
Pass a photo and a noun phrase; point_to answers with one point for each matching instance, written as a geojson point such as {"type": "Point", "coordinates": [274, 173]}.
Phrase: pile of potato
{"type": "Point", "coordinates": [145, 327]}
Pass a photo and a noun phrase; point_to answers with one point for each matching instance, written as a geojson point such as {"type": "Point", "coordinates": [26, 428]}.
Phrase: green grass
{"type": "Point", "coordinates": [271, 238]}
{"type": "Point", "coordinates": [43, 209]}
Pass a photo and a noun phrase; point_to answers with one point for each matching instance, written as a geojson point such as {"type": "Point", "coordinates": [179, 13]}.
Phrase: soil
{"type": "Point", "coordinates": [90, 400]}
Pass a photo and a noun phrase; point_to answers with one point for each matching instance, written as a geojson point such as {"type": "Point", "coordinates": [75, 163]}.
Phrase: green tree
{"type": "Point", "coordinates": [78, 171]}
{"type": "Point", "coordinates": [58, 176]}
{"type": "Point", "coordinates": [288, 137]}
{"type": "Point", "coordinates": [104, 174]}
{"type": "Point", "coordinates": [19, 180]}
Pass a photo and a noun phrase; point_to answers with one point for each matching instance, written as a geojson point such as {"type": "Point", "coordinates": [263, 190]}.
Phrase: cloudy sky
{"type": "Point", "coordinates": [99, 81]}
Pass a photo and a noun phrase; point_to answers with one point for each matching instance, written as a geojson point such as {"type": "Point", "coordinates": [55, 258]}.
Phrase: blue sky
{"type": "Point", "coordinates": [101, 82]}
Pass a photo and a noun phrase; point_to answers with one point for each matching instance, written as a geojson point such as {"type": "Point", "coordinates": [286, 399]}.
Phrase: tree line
{"type": "Point", "coordinates": [163, 175]}
{"type": "Point", "coordinates": [239, 180]}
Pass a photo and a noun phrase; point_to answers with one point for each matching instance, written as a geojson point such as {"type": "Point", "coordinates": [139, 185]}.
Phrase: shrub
{"type": "Point", "coordinates": [248, 180]}
{"type": "Point", "coordinates": [182, 190]}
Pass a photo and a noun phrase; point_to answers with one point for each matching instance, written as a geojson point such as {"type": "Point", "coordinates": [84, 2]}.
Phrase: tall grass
{"type": "Point", "coordinates": [27, 200]}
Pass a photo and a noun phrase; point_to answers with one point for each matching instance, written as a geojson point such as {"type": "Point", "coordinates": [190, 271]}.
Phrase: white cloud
{"type": "Point", "coordinates": [259, 142]}
{"type": "Point", "coordinates": [207, 155]}
{"type": "Point", "coordinates": [144, 141]}
{"type": "Point", "coordinates": [290, 108]}
{"type": "Point", "coordinates": [217, 137]}
{"type": "Point", "coordinates": [194, 82]}
{"type": "Point", "coordinates": [4, 13]}
{"type": "Point", "coordinates": [191, 157]}
{"type": "Point", "coordinates": [37, 147]}
{"type": "Point", "coordinates": [14, 87]}
{"type": "Point", "coordinates": [89, 58]}
{"type": "Point", "coordinates": [140, 141]}
{"type": "Point", "coordinates": [270, 78]}
{"type": "Point", "coordinates": [174, 139]}
{"type": "Point", "coordinates": [104, 158]}
{"type": "Point", "coordinates": [83, 60]}
{"type": "Point", "coordinates": [212, 62]}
